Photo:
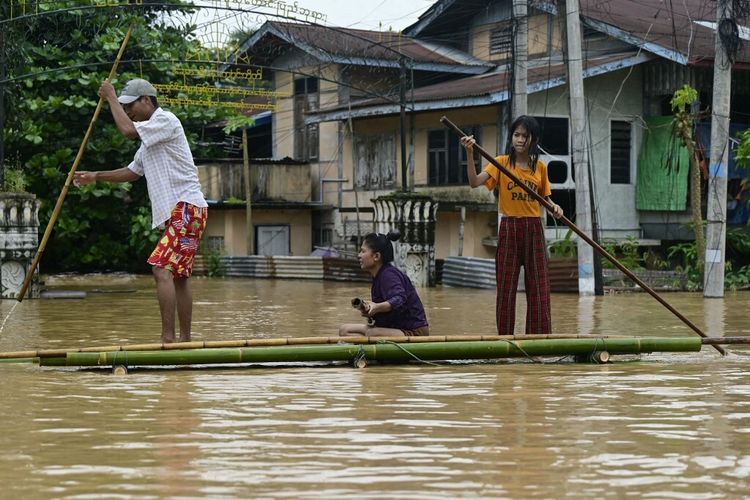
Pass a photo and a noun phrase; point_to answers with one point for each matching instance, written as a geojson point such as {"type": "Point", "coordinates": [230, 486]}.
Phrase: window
{"type": "Point", "coordinates": [555, 145]}
{"type": "Point", "coordinates": [555, 141]}
{"type": "Point", "coordinates": [375, 161]}
{"type": "Point", "coordinates": [306, 99]}
{"type": "Point", "coordinates": [619, 152]}
{"type": "Point", "coordinates": [501, 40]}
{"type": "Point", "coordinates": [446, 158]}
{"type": "Point", "coordinates": [214, 244]}
{"type": "Point", "coordinates": [554, 135]}
{"type": "Point", "coordinates": [326, 236]}
{"type": "Point", "coordinates": [272, 240]}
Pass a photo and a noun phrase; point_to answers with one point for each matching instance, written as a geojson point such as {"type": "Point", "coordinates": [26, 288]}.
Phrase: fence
{"type": "Point", "coordinates": [474, 272]}
{"type": "Point", "coordinates": [284, 267]}
{"type": "Point", "coordinates": [659, 280]}
{"type": "Point", "coordinates": [471, 272]}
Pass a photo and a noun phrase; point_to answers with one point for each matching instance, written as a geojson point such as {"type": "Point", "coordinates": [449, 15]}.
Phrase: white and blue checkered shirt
{"type": "Point", "coordinates": [165, 159]}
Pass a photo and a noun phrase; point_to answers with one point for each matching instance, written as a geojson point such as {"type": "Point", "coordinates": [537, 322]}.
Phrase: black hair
{"type": "Point", "coordinates": [381, 243]}
{"type": "Point", "coordinates": [534, 130]}
{"type": "Point", "coordinates": [153, 100]}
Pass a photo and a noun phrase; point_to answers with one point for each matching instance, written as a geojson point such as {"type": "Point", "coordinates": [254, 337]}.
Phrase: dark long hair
{"type": "Point", "coordinates": [381, 243]}
{"type": "Point", "coordinates": [534, 130]}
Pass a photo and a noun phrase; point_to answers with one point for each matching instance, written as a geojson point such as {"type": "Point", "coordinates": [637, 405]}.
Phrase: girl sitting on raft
{"type": "Point", "coordinates": [395, 305]}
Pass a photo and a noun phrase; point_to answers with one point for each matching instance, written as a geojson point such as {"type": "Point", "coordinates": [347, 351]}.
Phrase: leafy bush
{"type": "Point", "coordinates": [15, 181]}
{"type": "Point", "coordinates": [626, 252]}
{"type": "Point", "coordinates": [214, 265]}
{"type": "Point", "coordinates": [564, 248]}
{"type": "Point", "coordinates": [687, 256]}
{"type": "Point", "coordinates": [737, 280]}
{"type": "Point", "coordinates": [55, 66]}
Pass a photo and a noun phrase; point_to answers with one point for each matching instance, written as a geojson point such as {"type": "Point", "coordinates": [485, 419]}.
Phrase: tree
{"type": "Point", "coordinates": [56, 60]}
{"type": "Point", "coordinates": [684, 129]}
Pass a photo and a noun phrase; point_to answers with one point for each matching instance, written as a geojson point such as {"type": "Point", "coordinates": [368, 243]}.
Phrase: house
{"type": "Point", "coordinates": [364, 108]}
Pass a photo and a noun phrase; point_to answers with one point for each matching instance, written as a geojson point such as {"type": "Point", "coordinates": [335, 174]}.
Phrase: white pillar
{"type": "Point", "coordinates": [716, 211]}
{"type": "Point", "coordinates": [586, 282]}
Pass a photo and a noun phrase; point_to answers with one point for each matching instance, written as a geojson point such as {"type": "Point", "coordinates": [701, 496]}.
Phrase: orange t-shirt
{"type": "Point", "coordinates": [514, 201]}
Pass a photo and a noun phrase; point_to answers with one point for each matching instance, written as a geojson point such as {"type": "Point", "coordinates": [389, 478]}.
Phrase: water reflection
{"type": "Point", "coordinates": [666, 426]}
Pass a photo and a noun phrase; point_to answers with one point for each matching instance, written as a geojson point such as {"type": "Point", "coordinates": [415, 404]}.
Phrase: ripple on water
{"type": "Point", "coordinates": [660, 426]}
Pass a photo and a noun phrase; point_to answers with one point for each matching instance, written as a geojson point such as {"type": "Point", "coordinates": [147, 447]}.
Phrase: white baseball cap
{"type": "Point", "coordinates": [135, 89]}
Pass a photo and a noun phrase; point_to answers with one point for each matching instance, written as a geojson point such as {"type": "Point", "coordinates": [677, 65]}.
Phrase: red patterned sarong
{"type": "Point", "coordinates": [179, 243]}
{"type": "Point", "coordinates": [521, 243]}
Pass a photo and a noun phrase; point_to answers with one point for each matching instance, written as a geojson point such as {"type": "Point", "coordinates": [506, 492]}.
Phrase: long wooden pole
{"type": "Point", "coordinates": [69, 180]}
{"type": "Point", "coordinates": [445, 121]}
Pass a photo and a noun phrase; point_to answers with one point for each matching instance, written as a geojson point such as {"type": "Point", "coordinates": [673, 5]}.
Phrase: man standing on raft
{"type": "Point", "coordinates": [177, 203]}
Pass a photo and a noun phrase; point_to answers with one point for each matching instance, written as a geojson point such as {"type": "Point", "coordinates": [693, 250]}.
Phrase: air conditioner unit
{"type": "Point", "coordinates": [559, 171]}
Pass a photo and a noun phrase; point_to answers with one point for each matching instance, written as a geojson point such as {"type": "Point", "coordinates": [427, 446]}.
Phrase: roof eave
{"type": "Point", "coordinates": [626, 37]}
{"type": "Point", "coordinates": [428, 17]}
{"type": "Point", "coordinates": [467, 69]}
{"type": "Point", "coordinates": [471, 101]}
{"type": "Point", "coordinates": [415, 65]}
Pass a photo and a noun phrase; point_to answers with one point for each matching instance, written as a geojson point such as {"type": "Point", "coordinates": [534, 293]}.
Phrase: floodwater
{"type": "Point", "coordinates": [656, 426]}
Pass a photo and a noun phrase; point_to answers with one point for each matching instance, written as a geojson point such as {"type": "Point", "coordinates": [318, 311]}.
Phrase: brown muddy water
{"type": "Point", "coordinates": [655, 426]}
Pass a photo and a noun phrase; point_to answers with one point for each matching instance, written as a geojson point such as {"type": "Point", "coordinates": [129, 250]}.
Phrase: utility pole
{"type": "Point", "coordinates": [2, 109]}
{"type": "Point", "coordinates": [249, 193]}
{"type": "Point", "coordinates": [716, 214]}
{"type": "Point", "coordinates": [586, 282]}
{"type": "Point", "coordinates": [520, 58]}
{"type": "Point", "coordinates": [402, 124]}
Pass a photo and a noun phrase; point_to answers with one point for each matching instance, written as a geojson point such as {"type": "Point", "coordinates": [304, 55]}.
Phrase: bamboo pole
{"type": "Point", "coordinates": [291, 341]}
{"type": "Point", "coordinates": [20, 360]}
{"type": "Point", "coordinates": [471, 350]}
{"type": "Point", "coordinates": [312, 341]}
{"type": "Point", "coordinates": [69, 179]}
{"type": "Point", "coordinates": [445, 121]}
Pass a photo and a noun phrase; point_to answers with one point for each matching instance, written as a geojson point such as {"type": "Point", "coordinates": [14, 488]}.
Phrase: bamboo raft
{"type": "Point", "coordinates": [359, 350]}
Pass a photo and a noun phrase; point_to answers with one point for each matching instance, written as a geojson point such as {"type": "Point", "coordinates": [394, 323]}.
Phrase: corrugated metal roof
{"type": "Point", "coordinates": [354, 46]}
{"type": "Point", "coordinates": [672, 25]}
{"type": "Point", "coordinates": [682, 31]}
{"type": "Point", "coordinates": [482, 89]}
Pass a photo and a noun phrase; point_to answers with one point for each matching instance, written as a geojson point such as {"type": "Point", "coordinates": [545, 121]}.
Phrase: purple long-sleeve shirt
{"type": "Point", "coordinates": [393, 286]}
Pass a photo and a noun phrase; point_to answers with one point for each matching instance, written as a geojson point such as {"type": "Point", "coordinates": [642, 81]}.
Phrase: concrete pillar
{"type": "Point", "coordinates": [413, 215]}
{"type": "Point", "coordinates": [19, 238]}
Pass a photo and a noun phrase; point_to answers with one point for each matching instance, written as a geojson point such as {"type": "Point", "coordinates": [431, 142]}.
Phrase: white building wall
{"type": "Point", "coordinates": [613, 96]}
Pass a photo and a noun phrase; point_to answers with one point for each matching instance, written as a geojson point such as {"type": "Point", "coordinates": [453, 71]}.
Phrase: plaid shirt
{"type": "Point", "coordinates": [165, 159]}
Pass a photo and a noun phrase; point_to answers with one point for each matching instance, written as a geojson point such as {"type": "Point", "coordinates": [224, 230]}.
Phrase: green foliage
{"type": "Point", "coordinates": [684, 98]}
{"type": "Point", "coordinates": [237, 122]}
{"type": "Point", "coordinates": [233, 200]}
{"type": "Point", "coordinates": [564, 248]}
{"type": "Point", "coordinates": [686, 255]}
{"type": "Point", "coordinates": [143, 237]}
{"type": "Point", "coordinates": [737, 280]}
{"type": "Point", "coordinates": [738, 241]}
{"type": "Point", "coordinates": [742, 153]}
{"type": "Point", "coordinates": [684, 121]}
{"type": "Point", "coordinates": [214, 265]}
{"type": "Point", "coordinates": [15, 181]}
{"type": "Point", "coordinates": [55, 66]}
{"type": "Point", "coordinates": [626, 252]}
{"type": "Point", "coordinates": [653, 260]}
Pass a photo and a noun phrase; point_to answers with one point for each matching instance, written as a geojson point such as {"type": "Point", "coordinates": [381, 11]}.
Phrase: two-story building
{"type": "Point", "coordinates": [364, 112]}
